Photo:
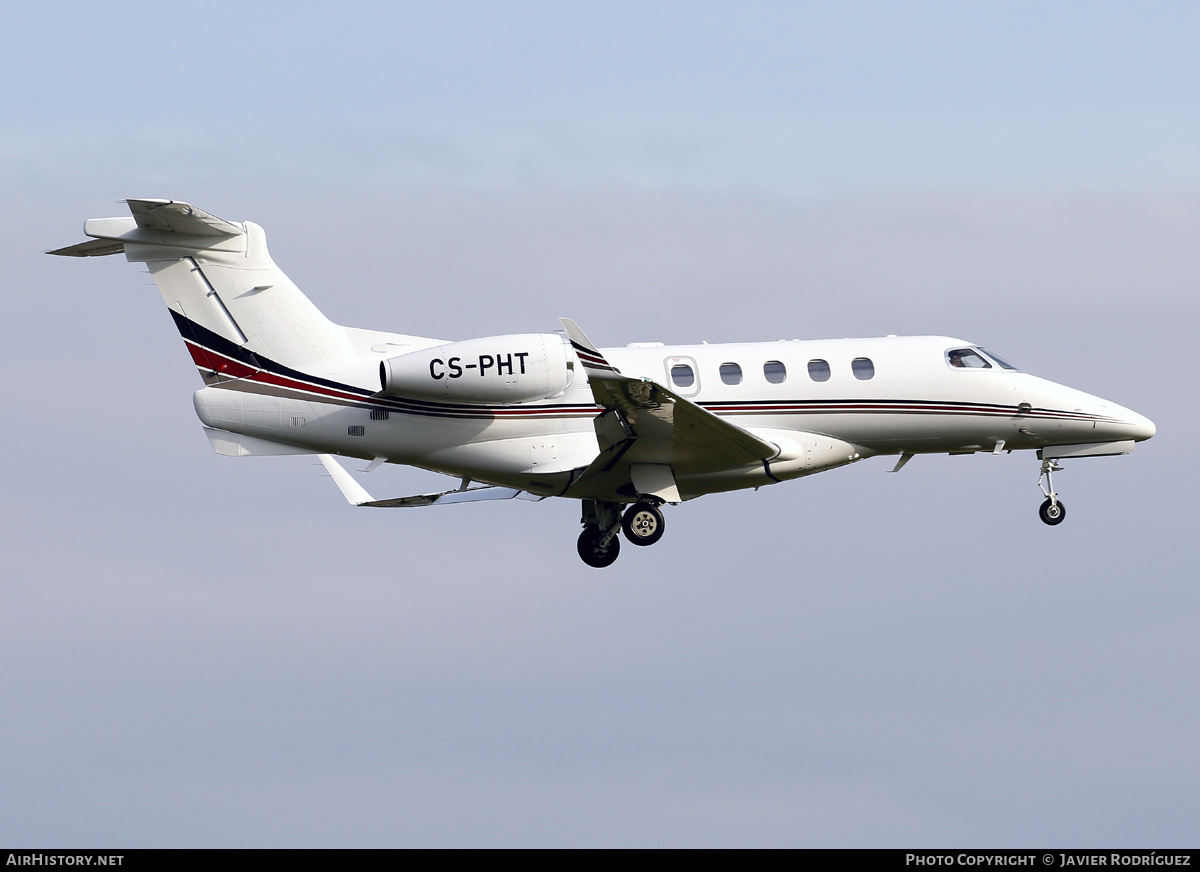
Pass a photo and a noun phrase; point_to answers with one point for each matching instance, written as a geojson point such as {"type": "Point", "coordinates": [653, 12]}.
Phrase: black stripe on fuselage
{"type": "Point", "coordinates": [870, 406]}
{"type": "Point", "coordinates": [214, 342]}
{"type": "Point", "coordinates": [218, 343]}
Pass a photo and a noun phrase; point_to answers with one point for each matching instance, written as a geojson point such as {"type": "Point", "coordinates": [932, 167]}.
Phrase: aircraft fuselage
{"type": "Point", "coordinates": [902, 397]}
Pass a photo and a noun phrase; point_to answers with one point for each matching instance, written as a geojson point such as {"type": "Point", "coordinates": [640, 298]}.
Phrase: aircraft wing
{"type": "Point", "coordinates": [357, 495]}
{"type": "Point", "coordinates": [647, 425]}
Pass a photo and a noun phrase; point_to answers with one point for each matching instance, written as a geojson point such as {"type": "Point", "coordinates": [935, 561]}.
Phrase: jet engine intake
{"type": "Point", "coordinates": [503, 370]}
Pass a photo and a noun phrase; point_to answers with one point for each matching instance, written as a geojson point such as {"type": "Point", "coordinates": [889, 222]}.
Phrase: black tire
{"type": "Point", "coordinates": [590, 551]}
{"type": "Point", "coordinates": [643, 524]}
{"type": "Point", "coordinates": [1052, 513]}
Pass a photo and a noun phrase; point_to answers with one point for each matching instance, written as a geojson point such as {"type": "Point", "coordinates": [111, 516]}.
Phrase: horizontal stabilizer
{"type": "Point", "coordinates": [182, 218]}
{"type": "Point", "coordinates": [357, 495]}
{"type": "Point", "coordinates": [158, 230]}
{"type": "Point", "coordinates": [91, 248]}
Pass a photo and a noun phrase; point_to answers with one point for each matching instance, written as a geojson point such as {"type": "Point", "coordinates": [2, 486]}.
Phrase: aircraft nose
{"type": "Point", "coordinates": [1143, 427]}
{"type": "Point", "coordinates": [1128, 424]}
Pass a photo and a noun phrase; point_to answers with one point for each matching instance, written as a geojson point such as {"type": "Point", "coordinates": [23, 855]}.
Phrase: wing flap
{"type": "Point", "coordinates": [655, 479]}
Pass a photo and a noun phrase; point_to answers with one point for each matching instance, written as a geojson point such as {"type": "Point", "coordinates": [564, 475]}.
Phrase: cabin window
{"type": "Point", "coordinates": [818, 370]}
{"type": "Point", "coordinates": [1000, 360]}
{"type": "Point", "coordinates": [863, 368]}
{"type": "Point", "coordinates": [682, 375]}
{"type": "Point", "coordinates": [731, 374]}
{"type": "Point", "coordinates": [775, 371]}
{"type": "Point", "coordinates": [966, 358]}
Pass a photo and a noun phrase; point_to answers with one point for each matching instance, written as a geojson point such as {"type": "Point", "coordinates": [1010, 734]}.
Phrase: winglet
{"type": "Point", "coordinates": [354, 492]}
{"type": "Point", "coordinates": [589, 355]}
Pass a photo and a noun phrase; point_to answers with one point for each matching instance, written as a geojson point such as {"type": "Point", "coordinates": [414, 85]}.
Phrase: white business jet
{"type": "Point", "coordinates": [537, 415]}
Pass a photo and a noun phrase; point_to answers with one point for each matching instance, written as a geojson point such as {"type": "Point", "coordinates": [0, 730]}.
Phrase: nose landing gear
{"type": "Point", "coordinates": [1052, 511]}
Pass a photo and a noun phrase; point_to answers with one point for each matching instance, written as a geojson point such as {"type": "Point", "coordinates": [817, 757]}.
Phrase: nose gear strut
{"type": "Point", "coordinates": [1052, 511]}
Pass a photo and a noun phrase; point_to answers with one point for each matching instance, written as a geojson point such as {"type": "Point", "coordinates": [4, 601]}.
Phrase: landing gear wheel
{"type": "Point", "coordinates": [590, 550]}
{"type": "Point", "coordinates": [1053, 512]}
{"type": "Point", "coordinates": [643, 524]}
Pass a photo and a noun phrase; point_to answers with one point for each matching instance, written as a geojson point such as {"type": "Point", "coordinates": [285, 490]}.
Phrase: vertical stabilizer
{"type": "Point", "coordinates": [233, 306]}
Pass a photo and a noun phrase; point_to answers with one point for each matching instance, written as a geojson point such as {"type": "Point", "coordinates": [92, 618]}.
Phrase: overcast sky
{"type": "Point", "coordinates": [198, 650]}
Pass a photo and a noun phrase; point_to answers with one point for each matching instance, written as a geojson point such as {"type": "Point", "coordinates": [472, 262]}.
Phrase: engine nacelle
{"type": "Point", "coordinates": [509, 369]}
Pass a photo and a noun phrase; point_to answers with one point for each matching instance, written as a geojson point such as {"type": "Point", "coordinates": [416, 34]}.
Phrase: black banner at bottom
{"type": "Point", "coordinates": [1040, 858]}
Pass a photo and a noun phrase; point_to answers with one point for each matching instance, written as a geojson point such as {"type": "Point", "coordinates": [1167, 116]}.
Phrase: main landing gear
{"type": "Point", "coordinates": [1052, 512]}
{"type": "Point", "coordinates": [599, 546]}
{"type": "Point", "coordinates": [643, 524]}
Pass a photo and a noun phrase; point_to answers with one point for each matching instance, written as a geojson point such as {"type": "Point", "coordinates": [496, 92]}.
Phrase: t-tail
{"type": "Point", "coordinates": [233, 306]}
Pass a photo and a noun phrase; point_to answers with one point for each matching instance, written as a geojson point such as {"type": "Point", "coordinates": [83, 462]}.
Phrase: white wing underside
{"type": "Point", "coordinates": [357, 495]}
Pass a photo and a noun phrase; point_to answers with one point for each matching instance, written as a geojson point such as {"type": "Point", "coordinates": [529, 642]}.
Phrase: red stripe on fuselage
{"type": "Point", "coordinates": [206, 358]}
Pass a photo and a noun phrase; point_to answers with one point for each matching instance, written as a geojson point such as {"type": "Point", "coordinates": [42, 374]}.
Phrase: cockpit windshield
{"type": "Point", "coordinates": [976, 358]}
{"type": "Point", "coordinates": [966, 358]}
{"type": "Point", "coordinates": [1000, 360]}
